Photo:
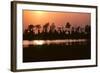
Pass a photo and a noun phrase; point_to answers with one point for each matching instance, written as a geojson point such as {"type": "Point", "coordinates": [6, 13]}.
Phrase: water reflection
{"type": "Point", "coordinates": [26, 43]}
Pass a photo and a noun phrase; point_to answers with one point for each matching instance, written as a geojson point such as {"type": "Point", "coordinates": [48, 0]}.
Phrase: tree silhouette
{"type": "Point", "coordinates": [72, 30]}
{"type": "Point", "coordinates": [52, 27]}
{"type": "Point", "coordinates": [67, 26]}
{"type": "Point", "coordinates": [29, 32]}
{"type": "Point", "coordinates": [45, 27]}
{"type": "Point", "coordinates": [59, 29]}
{"type": "Point", "coordinates": [38, 28]}
{"type": "Point", "coordinates": [30, 28]}
{"type": "Point", "coordinates": [87, 29]}
{"type": "Point", "coordinates": [51, 32]}
{"type": "Point", "coordinates": [78, 29]}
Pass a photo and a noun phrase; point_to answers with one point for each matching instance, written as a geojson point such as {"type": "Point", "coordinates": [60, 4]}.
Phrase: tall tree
{"type": "Point", "coordinates": [87, 29]}
{"type": "Point", "coordinates": [67, 26]}
{"type": "Point", "coordinates": [45, 27]}
{"type": "Point", "coordinates": [52, 27]}
{"type": "Point", "coordinates": [38, 28]}
{"type": "Point", "coordinates": [30, 28]}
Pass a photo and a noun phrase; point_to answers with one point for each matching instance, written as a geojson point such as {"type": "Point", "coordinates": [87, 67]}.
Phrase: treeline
{"type": "Point", "coordinates": [52, 32]}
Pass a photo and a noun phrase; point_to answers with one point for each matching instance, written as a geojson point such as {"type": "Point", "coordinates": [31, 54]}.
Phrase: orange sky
{"type": "Point", "coordinates": [59, 18]}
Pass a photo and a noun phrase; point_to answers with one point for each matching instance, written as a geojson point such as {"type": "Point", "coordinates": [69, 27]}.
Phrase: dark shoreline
{"type": "Point", "coordinates": [56, 52]}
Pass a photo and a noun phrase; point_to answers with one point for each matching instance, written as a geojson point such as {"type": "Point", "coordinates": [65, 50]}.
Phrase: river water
{"type": "Point", "coordinates": [27, 43]}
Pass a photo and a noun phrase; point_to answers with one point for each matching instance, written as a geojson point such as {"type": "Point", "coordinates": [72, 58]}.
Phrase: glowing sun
{"type": "Point", "coordinates": [39, 12]}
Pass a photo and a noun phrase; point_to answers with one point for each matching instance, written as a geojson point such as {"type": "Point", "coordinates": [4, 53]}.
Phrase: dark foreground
{"type": "Point", "coordinates": [56, 52]}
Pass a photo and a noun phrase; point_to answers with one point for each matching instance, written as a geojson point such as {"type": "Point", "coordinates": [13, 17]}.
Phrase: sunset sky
{"type": "Point", "coordinates": [59, 18]}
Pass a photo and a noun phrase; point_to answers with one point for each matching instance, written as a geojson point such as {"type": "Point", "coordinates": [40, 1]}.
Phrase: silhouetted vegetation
{"type": "Point", "coordinates": [53, 52]}
{"type": "Point", "coordinates": [52, 31]}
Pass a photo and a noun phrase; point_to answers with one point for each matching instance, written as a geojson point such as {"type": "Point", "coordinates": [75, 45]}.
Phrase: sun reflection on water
{"type": "Point", "coordinates": [48, 42]}
{"type": "Point", "coordinates": [38, 42]}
